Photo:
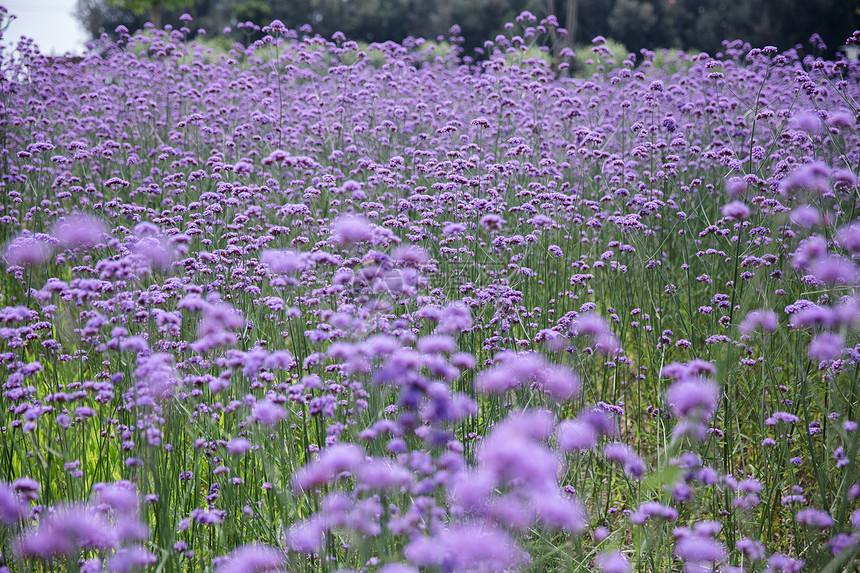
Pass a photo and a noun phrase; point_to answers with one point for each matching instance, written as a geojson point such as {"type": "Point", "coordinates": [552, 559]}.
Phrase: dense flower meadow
{"type": "Point", "coordinates": [307, 307]}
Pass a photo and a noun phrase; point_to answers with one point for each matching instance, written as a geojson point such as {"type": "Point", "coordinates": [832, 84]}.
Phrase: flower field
{"type": "Point", "coordinates": [304, 306]}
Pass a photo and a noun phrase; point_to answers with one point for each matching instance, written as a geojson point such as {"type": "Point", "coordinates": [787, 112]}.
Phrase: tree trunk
{"type": "Point", "coordinates": [570, 22]}
{"type": "Point", "coordinates": [556, 45]}
{"type": "Point", "coordinates": [155, 15]}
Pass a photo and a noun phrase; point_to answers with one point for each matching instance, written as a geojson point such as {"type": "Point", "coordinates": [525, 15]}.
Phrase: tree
{"type": "Point", "coordinates": [155, 8]}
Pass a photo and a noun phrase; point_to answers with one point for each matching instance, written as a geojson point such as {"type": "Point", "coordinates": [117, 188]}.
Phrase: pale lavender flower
{"type": "Point", "coordinates": [79, 231]}
{"type": "Point", "coordinates": [576, 435]}
{"type": "Point", "coordinates": [755, 319]}
{"type": "Point", "coordinates": [239, 446]}
{"type": "Point", "coordinates": [307, 536]}
{"type": "Point", "coordinates": [633, 465]}
{"type": "Point", "coordinates": [12, 508]}
{"type": "Point", "coordinates": [64, 531]}
{"type": "Point", "coordinates": [268, 413]}
{"type": "Point", "coordinates": [130, 559]}
{"type": "Point", "coordinates": [286, 262]}
{"type": "Point", "coordinates": [697, 398]}
{"type": "Point", "coordinates": [848, 238]}
{"type": "Point", "coordinates": [334, 460]}
{"type": "Point", "coordinates": [397, 568]}
{"type": "Point", "coordinates": [699, 549]}
{"type": "Point", "coordinates": [612, 562]}
{"type": "Point", "coordinates": [778, 563]}
{"type": "Point", "coordinates": [26, 251]}
{"type": "Point", "coordinates": [253, 558]}
{"type": "Point", "coordinates": [825, 346]}
{"type": "Point", "coordinates": [467, 548]}
{"type": "Point", "coordinates": [351, 229]}
{"type": "Point", "coordinates": [382, 474]}
{"type": "Point", "coordinates": [735, 210]}
{"type": "Point", "coordinates": [807, 121]}
{"type": "Point", "coordinates": [814, 518]}
{"type": "Point", "coordinates": [806, 216]}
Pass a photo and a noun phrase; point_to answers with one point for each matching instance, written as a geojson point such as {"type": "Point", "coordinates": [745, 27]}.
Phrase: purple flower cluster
{"type": "Point", "coordinates": [305, 304]}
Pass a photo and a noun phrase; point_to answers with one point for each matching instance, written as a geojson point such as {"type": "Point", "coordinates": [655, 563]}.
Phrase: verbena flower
{"type": "Point", "coordinates": [253, 558]}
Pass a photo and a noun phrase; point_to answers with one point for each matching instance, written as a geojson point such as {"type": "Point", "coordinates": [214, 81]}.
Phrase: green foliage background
{"type": "Point", "coordinates": [683, 24]}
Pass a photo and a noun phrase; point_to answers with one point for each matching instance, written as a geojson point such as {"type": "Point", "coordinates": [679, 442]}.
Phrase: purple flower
{"type": "Point", "coordinates": [472, 489]}
{"type": "Point", "coordinates": [755, 550]}
{"type": "Point", "coordinates": [492, 222]}
{"type": "Point", "coordinates": [697, 398]}
{"type": "Point", "coordinates": [286, 262]}
{"type": "Point", "coordinates": [559, 382]}
{"type": "Point", "coordinates": [334, 460]}
{"type": "Point", "coordinates": [842, 541]}
{"type": "Point", "coordinates": [848, 238]}
{"type": "Point", "coordinates": [382, 474]}
{"type": "Point", "coordinates": [307, 536]}
{"type": "Point", "coordinates": [129, 559]}
{"type": "Point", "coordinates": [825, 346]}
{"type": "Point", "coordinates": [268, 413]}
{"type": "Point", "coordinates": [26, 251]}
{"type": "Point", "coordinates": [12, 508]}
{"type": "Point", "coordinates": [755, 319]}
{"type": "Point", "coordinates": [558, 511]}
{"type": "Point", "coordinates": [576, 435]}
{"type": "Point", "coordinates": [612, 562]}
{"type": "Point", "coordinates": [594, 325]}
{"type": "Point", "coordinates": [807, 121]}
{"type": "Point", "coordinates": [633, 465]}
{"type": "Point", "coordinates": [351, 229]}
{"type": "Point", "coordinates": [735, 210]}
{"type": "Point", "coordinates": [27, 488]}
{"type": "Point", "coordinates": [778, 563]}
{"type": "Point", "coordinates": [397, 568]}
{"type": "Point", "coordinates": [806, 216]}
{"type": "Point", "coordinates": [512, 371]}
{"type": "Point", "coordinates": [835, 270]}
{"type": "Point", "coordinates": [814, 518]}
{"type": "Point", "coordinates": [437, 344]}
{"type": "Point", "coordinates": [238, 446]}
{"type": "Point", "coordinates": [694, 548]}
{"type": "Point", "coordinates": [64, 531]}
{"type": "Point", "coordinates": [813, 176]}
{"type": "Point", "coordinates": [467, 548]}
{"type": "Point", "coordinates": [79, 231]}
{"type": "Point", "coordinates": [513, 452]}
{"type": "Point", "coordinates": [252, 558]}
